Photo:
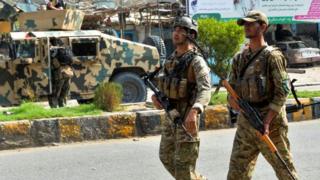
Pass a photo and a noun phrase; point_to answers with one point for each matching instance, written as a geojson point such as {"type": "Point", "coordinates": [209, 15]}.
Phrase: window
{"type": "Point", "coordinates": [25, 49]}
{"type": "Point", "coordinates": [84, 47]}
{"type": "Point", "coordinates": [283, 47]}
{"type": "Point", "coordinates": [297, 45]}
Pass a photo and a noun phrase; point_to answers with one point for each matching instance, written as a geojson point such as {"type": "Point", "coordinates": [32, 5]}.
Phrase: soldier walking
{"type": "Point", "coordinates": [259, 76]}
{"type": "Point", "coordinates": [62, 73]}
{"type": "Point", "coordinates": [186, 83]}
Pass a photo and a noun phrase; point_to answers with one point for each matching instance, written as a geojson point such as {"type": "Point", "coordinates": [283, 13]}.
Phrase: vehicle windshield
{"type": "Point", "coordinates": [85, 47]}
{"type": "Point", "coordinates": [297, 45]}
{"type": "Point", "coordinates": [26, 50]}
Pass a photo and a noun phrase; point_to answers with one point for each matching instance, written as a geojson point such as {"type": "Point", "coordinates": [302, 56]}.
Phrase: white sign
{"type": "Point", "coordinates": [277, 10]}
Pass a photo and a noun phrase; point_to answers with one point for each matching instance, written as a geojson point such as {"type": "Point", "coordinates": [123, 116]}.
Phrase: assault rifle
{"type": "Point", "coordinates": [255, 119]}
{"type": "Point", "coordinates": [299, 105]}
{"type": "Point", "coordinates": [172, 113]}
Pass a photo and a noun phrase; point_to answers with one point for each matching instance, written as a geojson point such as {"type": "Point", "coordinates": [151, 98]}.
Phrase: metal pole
{"type": "Point", "coordinates": [159, 20]}
{"type": "Point", "coordinates": [187, 7]}
{"type": "Point", "coordinates": [49, 66]}
{"type": "Point", "coordinates": [122, 19]}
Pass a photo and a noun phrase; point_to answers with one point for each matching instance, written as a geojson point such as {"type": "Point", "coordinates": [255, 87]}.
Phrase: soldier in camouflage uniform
{"type": "Point", "coordinates": [62, 73]}
{"type": "Point", "coordinates": [186, 82]}
{"type": "Point", "coordinates": [259, 76]}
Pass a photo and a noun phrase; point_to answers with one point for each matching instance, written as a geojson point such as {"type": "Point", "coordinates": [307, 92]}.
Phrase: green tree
{"type": "Point", "coordinates": [221, 40]}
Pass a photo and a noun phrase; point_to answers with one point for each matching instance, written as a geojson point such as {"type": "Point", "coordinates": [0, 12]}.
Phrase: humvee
{"type": "Point", "coordinates": [25, 64]}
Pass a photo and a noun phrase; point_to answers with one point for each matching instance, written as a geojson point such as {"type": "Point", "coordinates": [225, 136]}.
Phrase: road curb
{"type": "Point", "coordinates": [304, 114]}
{"type": "Point", "coordinates": [15, 134]}
{"type": "Point", "coordinates": [216, 117]}
{"type": "Point", "coordinates": [28, 133]}
{"type": "Point", "coordinates": [149, 122]}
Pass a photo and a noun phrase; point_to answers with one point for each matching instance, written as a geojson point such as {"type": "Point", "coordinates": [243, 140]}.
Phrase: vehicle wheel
{"type": "Point", "coordinates": [159, 44]}
{"type": "Point", "coordinates": [134, 89]}
{"type": "Point", "coordinates": [84, 101]}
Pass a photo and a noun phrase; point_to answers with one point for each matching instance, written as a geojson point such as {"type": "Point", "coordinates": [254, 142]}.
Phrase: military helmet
{"type": "Point", "coordinates": [186, 22]}
{"type": "Point", "coordinates": [56, 41]}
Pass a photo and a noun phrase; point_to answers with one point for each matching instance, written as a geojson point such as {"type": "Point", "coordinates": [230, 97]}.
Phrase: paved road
{"type": "Point", "coordinates": [128, 159]}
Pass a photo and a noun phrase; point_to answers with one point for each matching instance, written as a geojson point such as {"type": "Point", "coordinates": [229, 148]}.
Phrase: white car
{"type": "Point", "coordinates": [297, 53]}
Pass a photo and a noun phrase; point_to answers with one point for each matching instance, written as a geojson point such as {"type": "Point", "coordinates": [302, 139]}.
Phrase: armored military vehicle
{"type": "Point", "coordinates": [25, 62]}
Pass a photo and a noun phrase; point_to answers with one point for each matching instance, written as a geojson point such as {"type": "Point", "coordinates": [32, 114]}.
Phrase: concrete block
{"type": "Point", "coordinates": [216, 117]}
{"type": "Point", "coordinates": [316, 107]}
{"type": "Point", "coordinates": [149, 122]}
{"type": "Point", "coordinates": [44, 132]}
{"type": "Point", "coordinates": [93, 128]}
{"type": "Point", "coordinates": [15, 134]}
{"type": "Point", "coordinates": [303, 114]}
{"type": "Point", "coordinates": [70, 130]}
{"type": "Point", "coordinates": [120, 125]}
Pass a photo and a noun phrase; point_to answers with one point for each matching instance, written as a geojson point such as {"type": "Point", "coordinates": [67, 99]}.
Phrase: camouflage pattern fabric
{"type": "Point", "coordinates": [178, 152]}
{"type": "Point", "coordinates": [60, 89]}
{"type": "Point", "coordinates": [61, 73]}
{"type": "Point", "coordinates": [247, 146]}
{"type": "Point", "coordinates": [270, 65]}
{"type": "Point", "coordinates": [27, 76]}
{"type": "Point", "coordinates": [49, 20]}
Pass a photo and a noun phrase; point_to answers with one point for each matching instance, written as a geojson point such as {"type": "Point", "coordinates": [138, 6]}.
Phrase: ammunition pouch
{"type": "Point", "coordinates": [253, 89]}
{"type": "Point", "coordinates": [178, 79]}
{"type": "Point", "coordinates": [173, 88]}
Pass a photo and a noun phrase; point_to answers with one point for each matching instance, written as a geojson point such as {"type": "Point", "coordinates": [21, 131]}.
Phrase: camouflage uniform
{"type": "Point", "coordinates": [62, 74]}
{"type": "Point", "coordinates": [264, 84]}
{"type": "Point", "coordinates": [179, 152]}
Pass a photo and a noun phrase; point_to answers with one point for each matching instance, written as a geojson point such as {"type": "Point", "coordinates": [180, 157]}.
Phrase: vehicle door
{"type": "Point", "coordinates": [86, 65]}
{"type": "Point", "coordinates": [7, 95]}
{"type": "Point", "coordinates": [32, 68]}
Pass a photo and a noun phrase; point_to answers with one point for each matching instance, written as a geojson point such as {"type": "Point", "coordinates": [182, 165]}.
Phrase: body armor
{"type": "Point", "coordinates": [178, 80]}
{"type": "Point", "coordinates": [254, 84]}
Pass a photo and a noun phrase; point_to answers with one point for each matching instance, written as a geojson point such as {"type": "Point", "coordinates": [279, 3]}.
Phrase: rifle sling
{"type": "Point", "coordinates": [293, 91]}
{"type": "Point", "coordinates": [243, 70]}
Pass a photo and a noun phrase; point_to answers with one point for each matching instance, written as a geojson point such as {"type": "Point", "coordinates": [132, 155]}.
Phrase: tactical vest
{"type": "Point", "coordinates": [178, 82]}
{"type": "Point", "coordinates": [254, 84]}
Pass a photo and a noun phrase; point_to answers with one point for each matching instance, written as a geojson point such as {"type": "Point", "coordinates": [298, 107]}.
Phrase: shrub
{"type": "Point", "coordinates": [108, 96]}
{"type": "Point", "coordinates": [221, 40]}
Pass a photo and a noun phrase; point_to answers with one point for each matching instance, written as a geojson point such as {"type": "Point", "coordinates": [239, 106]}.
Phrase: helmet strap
{"type": "Point", "coordinates": [190, 34]}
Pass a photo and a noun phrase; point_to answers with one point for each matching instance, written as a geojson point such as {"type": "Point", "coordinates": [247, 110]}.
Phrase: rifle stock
{"type": "Point", "coordinates": [255, 119]}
